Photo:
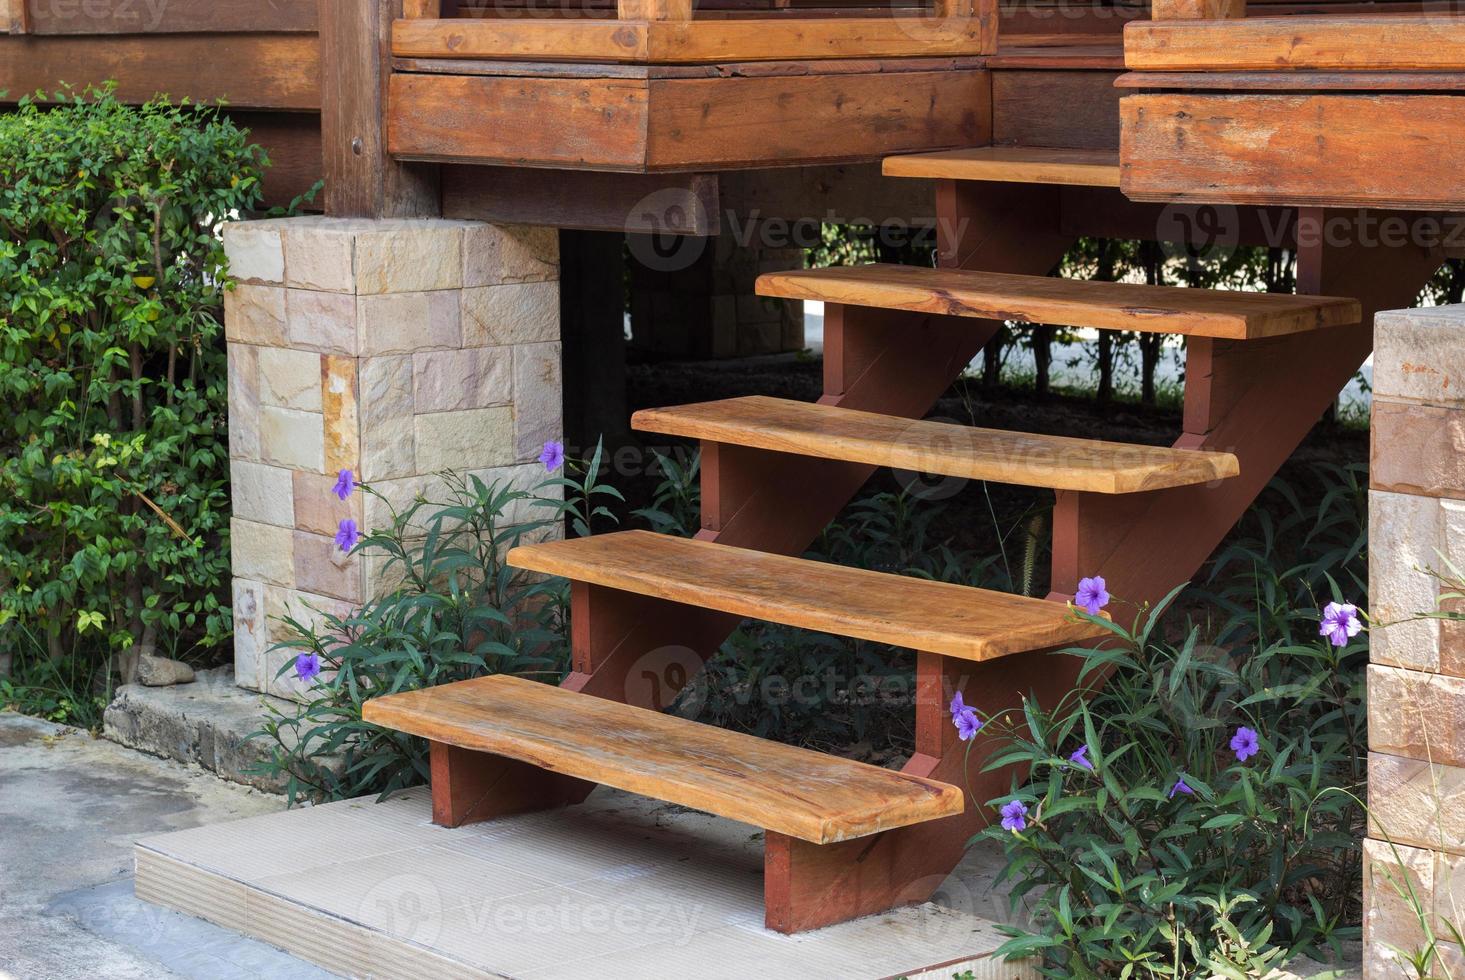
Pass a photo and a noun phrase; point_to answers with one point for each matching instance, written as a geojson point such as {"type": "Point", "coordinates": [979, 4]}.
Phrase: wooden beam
{"type": "Point", "coordinates": [361, 179]}
{"type": "Point", "coordinates": [114, 17]}
{"type": "Point", "coordinates": [666, 41]}
{"type": "Point", "coordinates": [1378, 42]}
{"type": "Point", "coordinates": [14, 17]}
{"type": "Point", "coordinates": [683, 124]}
{"type": "Point", "coordinates": [654, 9]}
{"type": "Point", "coordinates": [254, 71]}
{"type": "Point", "coordinates": [292, 140]}
{"type": "Point", "coordinates": [1393, 151]}
{"type": "Point", "coordinates": [677, 204]}
{"type": "Point", "coordinates": [1170, 10]}
{"type": "Point", "coordinates": [1073, 109]}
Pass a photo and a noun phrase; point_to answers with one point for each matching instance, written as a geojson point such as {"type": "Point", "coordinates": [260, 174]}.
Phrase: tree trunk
{"type": "Point", "coordinates": [1042, 357]}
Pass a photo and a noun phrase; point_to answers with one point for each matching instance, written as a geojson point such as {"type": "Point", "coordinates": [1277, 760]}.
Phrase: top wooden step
{"type": "Point", "coordinates": [938, 617]}
{"type": "Point", "coordinates": [1023, 458]}
{"type": "Point", "coordinates": [793, 791]}
{"type": "Point", "coordinates": [1065, 302]}
{"type": "Point", "coordinates": [1014, 164]}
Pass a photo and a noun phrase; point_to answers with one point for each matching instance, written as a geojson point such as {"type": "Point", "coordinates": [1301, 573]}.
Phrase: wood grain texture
{"type": "Point", "coordinates": [1028, 459]}
{"type": "Point", "coordinates": [1069, 302]}
{"type": "Point", "coordinates": [1055, 108]}
{"type": "Point", "coordinates": [249, 71]}
{"type": "Point", "coordinates": [14, 17]}
{"type": "Point", "coordinates": [683, 124]}
{"type": "Point", "coordinates": [681, 204]}
{"type": "Point", "coordinates": [972, 624]}
{"type": "Point", "coordinates": [1197, 9]}
{"type": "Point", "coordinates": [170, 16]}
{"type": "Point", "coordinates": [654, 9]}
{"type": "Point", "coordinates": [1293, 81]}
{"type": "Point", "coordinates": [678, 40]}
{"type": "Point", "coordinates": [1014, 164]}
{"type": "Point", "coordinates": [1392, 151]}
{"type": "Point", "coordinates": [807, 795]}
{"type": "Point", "coordinates": [1377, 42]}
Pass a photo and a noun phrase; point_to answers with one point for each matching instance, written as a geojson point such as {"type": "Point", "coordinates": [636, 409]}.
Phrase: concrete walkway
{"type": "Point", "coordinates": [70, 808]}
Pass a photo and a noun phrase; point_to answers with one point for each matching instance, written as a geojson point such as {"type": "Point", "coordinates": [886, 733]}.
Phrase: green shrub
{"type": "Point", "coordinates": [460, 612]}
{"type": "Point", "coordinates": [113, 454]}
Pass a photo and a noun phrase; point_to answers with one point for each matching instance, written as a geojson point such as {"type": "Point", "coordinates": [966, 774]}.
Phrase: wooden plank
{"type": "Point", "coordinates": [654, 9]}
{"type": "Point", "coordinates": [253, 71]}
{"type": "Point", "coordinates": [292, 140]}
{"type": "Point", "coordinates": [1069, 302]}
{"type": "Point", "coordinates": [683, 124]}
{"type": "Point", "coordinates": [689, 41]}
{"type": "Point", "coordinates": [972, 624]}
{"type": "Point", "coordinates": [594, 123]}
{"type": "Point", "coordinates": [1023, 458]}
{"type": "Point", "coordinates": [74, 17]}
{"type": "Point", "coordinates": [808, 795]}
{"type": "Point", "coordinates": [1197, 9]}
{"type": "Point", "coordinates": [1393, 151]}
{"type": "Point", "coordinates": [14, 17]}
{"type": "Point", "coordinates": [361, 178]}
{"type": "Point", "coordinates": [1055, 108]}
{"type": "Point", "coordinates": [710, 123]}
{"type": "Point", "coordinates": [589, 200]}
{"type": "Point", "coordinates": [1377, 42]}
{"type": "Point", "coordinates": [1292, 81]}
{"type": "Point", "coordinates": [1014, 164]}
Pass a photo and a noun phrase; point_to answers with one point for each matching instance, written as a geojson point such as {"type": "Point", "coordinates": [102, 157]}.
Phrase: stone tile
{"type": "Point", "coordinates": [399, 494]}
{"type": "Point", "coordinates": [318, 509]}
{"type": "Point", "coordinates": [323, 568]}
{"type": "Point", "coordinates": [471, 439]}
{"type": "Point", "coordinates": [342, 428]}
{"type": "Point", "coordinates": [381, 575]}
{"type": "Point", "coordinates": [250, 636]}
{"type": "Point", "coordinates": [1419, 355]}
{"type": "Point", "coordinates": [1406, 532]}
{"type": "Point", "coordinates": [1414, 803]}
{"type": "Point", "coordinates": [306, 608]}
{"type": "Point", "coordinates": [320, 257]}
{"type": "Point", "coordinates": [292, 438]}
{"type": "Point", "coordinates": [243, 401]}
{"type": "Point", "coordinates": [538, 399]}
{"type": "Point", "coordinates": [1416, 715]}
{"type": "Point", "coordinates": [473, 377]}
{"type": "Point", "coordinates": [386, 409]}
{"type": "Point", "coordinates": [495, 254]}
{"type": "Point", "coordinates": [409, 256]}
{"type": "Point", "coordinates": [255, 251]}
{"type": "Point", "coordinates": [389, 450]}
{"type": "Point", "coordinates": [289, 378]}
{"type": "Point", "coordinates": [1417, 449]}
{"type": "Point", "coordinates": [255, 315]}
{"type": "Point", "coordinates": [404, 323]}
{"type": "Point", "coordinates": [1449, 893]}
{"type": "Point", "coordinates": [517, 313]}
{"type": "Point", "coordinates": [262, 552]}
{"type": "Point", "coordinates": [324, 322]}
{"type": "Point", "coordinates": [261, 493]}
{"type": "Point", "coordinates": [1389, 919]}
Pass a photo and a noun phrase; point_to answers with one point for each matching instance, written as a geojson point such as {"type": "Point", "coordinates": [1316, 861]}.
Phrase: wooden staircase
{"type": "Point", "coordinates": [648, 610]}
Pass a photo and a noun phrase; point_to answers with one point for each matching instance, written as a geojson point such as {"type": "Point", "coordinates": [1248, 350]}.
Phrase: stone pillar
{"type": "Point", "coordinates": [1416, 675]}
{"type": "Point", "coordinates": [398, 349]}
{"type": "Point", "coordinates": [697, 302]}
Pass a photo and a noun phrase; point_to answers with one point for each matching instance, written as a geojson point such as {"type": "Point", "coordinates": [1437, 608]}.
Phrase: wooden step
{"type": "Point", "coordinates": [1067, 302]}
{"type": "Point", "coordinates": [1023, 458]}
{"type": "Point", "coordinates": [793, 791]}
{"type": "Point", "coordinates": [1014, 164]}
{"type": "Point", "coordinates": [956, 620]}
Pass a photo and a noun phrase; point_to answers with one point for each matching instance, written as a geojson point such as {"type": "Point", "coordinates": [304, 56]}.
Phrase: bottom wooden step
{"type": "Point", "coordinates": [791, 791]}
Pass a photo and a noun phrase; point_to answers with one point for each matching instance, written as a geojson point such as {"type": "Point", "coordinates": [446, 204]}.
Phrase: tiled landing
{"type": "Point", "coordinates": [619, 887]}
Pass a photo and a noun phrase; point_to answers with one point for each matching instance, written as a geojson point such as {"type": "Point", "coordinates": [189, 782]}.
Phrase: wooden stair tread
{"type": "Point", "coordinates": [798, 792]}
{"type": "Point", "coordinates": [938, 617]}
{"type": "Point", "coordinates": [1028, 459]}
{"type": "Point", "coordinates": [1016, 164]}
{"type": "Point", "coordinates": [1067, 302]}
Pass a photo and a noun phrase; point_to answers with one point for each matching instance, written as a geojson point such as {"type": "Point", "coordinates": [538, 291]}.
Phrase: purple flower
{"type": "Point", "coordinates": [1080, 758]}
{"type": "Point", "coordinates": [1244, 743]}
{"type": "Point", "coordinates": [1340, 623]}
{"type": "Point", "coordinates": [1091, 595]}
{"type": "Point", "coordinates": [1014, 816]}
{"type": "Point", "coordinates": [1181, 786]}
{"type": "Point", "coordinates": [553, 456]}
{"type": "Point", "coordinates": [967, 725]}
{"type": "Point", "coordinates": [307, 666]}
{"type": "Point", "coordinates": [957, 705]}
{"type": "Point", "coordinates": [347, 535]}
{"type": "Point", "coordinates": [345, 483]}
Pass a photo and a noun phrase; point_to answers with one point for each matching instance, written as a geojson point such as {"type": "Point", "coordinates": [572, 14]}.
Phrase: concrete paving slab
{"type": "Point", "coordinates": [71, 807]}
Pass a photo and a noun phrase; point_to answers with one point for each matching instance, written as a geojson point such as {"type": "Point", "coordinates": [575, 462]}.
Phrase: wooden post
{"type": "Point", "coordinates": [654, 9]}
{"type": "Point", "coordinates": [468, 786]}
{"type": "Point", "coordinates": [1197, 9]}
{"type": "Point", "coordinates": [15, 16]}
{"type": "Point", "coordinates": [362, 180]}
